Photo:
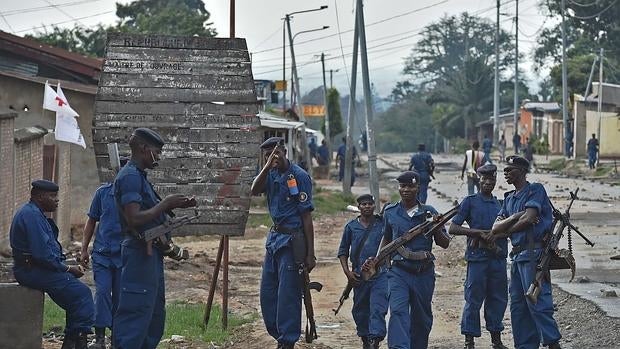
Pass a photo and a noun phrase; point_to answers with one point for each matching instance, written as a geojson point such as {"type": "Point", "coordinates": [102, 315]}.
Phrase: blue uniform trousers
{"type": "Point", "coordinates": [280, 295]}
{"type": "Point", "coordinates": [486, 282]}
{"type": "Point", "coordinates": [531, 323]}
{"type": "Point", "coordinates": [370, 305]}
{"type": "Point", "coordinates": [65, 290]}
{"type": "Point", "coordinates": [141, 314]}
{"type": "Point", "coordinates": [411, 316]}
{"type": "Point", "coordinates": [487, 157]}
{"type": "Point", "coordinates": [423, 191]}
{"type": "Point", "coordinates": [107, 289]}
{"type": "Point", "coordinates": [341, 173]}
{"type": "Point", "coordinates": [591, 159]}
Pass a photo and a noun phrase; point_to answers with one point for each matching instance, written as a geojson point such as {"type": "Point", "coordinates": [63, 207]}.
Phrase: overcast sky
{"type": "Point", "coordinates": [392, 28]}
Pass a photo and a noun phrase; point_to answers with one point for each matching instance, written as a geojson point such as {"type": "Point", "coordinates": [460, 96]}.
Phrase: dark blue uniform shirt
{"type": "Point", "coordinates": [352, 238]}
{"type": "Point", "coordinates": [108, 236]}
{"type": "Point", "coordinates": [285, 209]}
{"type": "Point", "coordinates": [421, 164]}
{"type": "Point", "coordinates": [533, 195]}
{"type": "Point", "coordinates": [130, 186]}
{"type": "Point", "coordinates": [397, 222]}
{"type": "Point", "coordinates": [32, 233]}
{"type": "Point", "coordinates": [480, 213]}
{"type": "Point", "coordinates": [487, 144]}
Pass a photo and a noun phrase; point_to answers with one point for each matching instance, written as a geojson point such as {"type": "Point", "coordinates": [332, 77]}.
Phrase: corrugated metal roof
{"type": "Point", "coordinates": [542, 106]}
{"type": "Point", "coordinates": [66, 85]}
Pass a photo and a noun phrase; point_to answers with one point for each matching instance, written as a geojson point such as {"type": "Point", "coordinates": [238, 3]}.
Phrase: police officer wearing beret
{"type": "Point", "coordinates": [40, 264]}
{"type": "Point", "coordinates": [422, 163]}
{"type": "Point", "coordinates": [140, 317]}
{"type": "Point", "coordinates": [526, 216]}
{"type": "Point", "coordinates": [106, 256]}
{"type": "Point", "coordinates": [289, 244]}
{"type": "Point", "coordinates": [486, 263]}
{"type": "Point", "coordinates": [411, 278]}
{"type": "Point", "coordinates": [360, 240]}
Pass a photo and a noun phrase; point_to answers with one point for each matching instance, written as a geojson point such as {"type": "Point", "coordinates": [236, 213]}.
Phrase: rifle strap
{"type": "Point", "coordinates": [356, 255]}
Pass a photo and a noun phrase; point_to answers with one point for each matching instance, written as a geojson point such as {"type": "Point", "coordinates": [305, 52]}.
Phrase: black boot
{"type": "Point", "coordinates": [69, 341]}
{"type": "Point", "coordinates": [81, 341]}
{"type": "Point", "coordinates": [374, 343]}
{"type": "Point", "coordinates": [469, 342]}
{"type": "Point", "coordinates": [99, 342]}
{"type": "Point", "coordinates": [554, 346]}
{"type": "Point", "coordinates": [496, 340]}
{"type": "Point", "coordinates": [286, 345]}
{"type": "Point", "coordinates": [365, 342]}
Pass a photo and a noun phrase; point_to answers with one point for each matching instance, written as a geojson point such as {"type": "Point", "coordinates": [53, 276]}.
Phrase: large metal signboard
{"type": "Point", "coordinates": [198, 93]}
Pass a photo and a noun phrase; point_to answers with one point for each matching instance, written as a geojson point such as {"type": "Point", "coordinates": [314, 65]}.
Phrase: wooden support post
{"type": "Point", "coordinates": [216, 271]}
{"type": "Point", "coordinates": [225, 238]}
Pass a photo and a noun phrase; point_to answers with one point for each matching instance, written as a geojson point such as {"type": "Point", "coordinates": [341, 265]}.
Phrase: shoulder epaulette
{"type": "Point", "coordinates": [508, 193]}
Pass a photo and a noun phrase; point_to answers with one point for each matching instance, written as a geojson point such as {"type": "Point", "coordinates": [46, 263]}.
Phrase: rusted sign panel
{"type": "Point", "coordinates": [198, 93]}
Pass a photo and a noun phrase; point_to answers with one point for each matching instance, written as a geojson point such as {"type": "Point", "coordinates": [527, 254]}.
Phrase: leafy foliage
{"type": "Point", "coordinates": [335, 113]}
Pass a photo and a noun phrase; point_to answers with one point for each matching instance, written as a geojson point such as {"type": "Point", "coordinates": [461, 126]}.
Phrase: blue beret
{"type": "Point", "coordinates": [487, 170]}
{"type": "Point", "coordinates": [149, 136]}
{"type": "Point", "coordinates": [408, 177]}
{"type": "Point", "coordinates": [365, 198]}
{"type": "Point", "coordinates": [517, 161]}
{"type": "Point", "coordinates": [44, 185]}
{"type": "Point", "coordinates": [272, 142]}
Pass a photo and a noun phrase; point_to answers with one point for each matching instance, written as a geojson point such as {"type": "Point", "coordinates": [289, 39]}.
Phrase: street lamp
{"type": "Point", "coordinates": [287, 18]}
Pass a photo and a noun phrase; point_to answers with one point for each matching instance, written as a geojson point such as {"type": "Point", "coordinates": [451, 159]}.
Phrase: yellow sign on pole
{"type": "Point", "coordinates": [280, 85]}
{"type": "Point", "coordinates": [314, 110]}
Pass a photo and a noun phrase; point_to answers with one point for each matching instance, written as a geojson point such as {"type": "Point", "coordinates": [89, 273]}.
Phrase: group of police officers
{"type": "Point", "coordinates": [129, 276]}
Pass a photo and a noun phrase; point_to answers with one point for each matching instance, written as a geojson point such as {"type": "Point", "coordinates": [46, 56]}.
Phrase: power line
{"type": "Point", "coordinates": [594, 3]}
{"type": "Point", "coordinates": [62, 11]}
{"type": "Point", "coordinates": [63, 22]}
{"type": "Point", "coordinates": [269, 37]}
{"type": "Point", "coordinates": [598, 14]}
{"type": "Point", "coordinates": [7, 22]}
{"type": "Point", "coordinates": [42, 8]}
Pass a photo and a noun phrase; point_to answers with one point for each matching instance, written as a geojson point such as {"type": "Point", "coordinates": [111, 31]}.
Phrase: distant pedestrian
{"type": "Point", "coordinates": [313, 149]}
{"type": "Point", "coordinates": [487, 145]}
{"type": "Point", "coordinates": [473, 160]}
{"type": "Point", "coordinates": [593, 149]}
{"type": "Point", "coordinates": [340, 156]}
{"type": "Point", "coordinates": [528, 153]}
{"type": "Point", "coordinates": [323, 154]}
{"type": "Point", "coordinates": [422, 162]}
{"type": "Point", "coordinates": [502, 148]}
{"type": "Point", "coordinates": [516, 142]}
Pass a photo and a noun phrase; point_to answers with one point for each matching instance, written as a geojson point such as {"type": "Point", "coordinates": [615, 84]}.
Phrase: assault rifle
{"type": "Point", "coordinates": [427, 228]}
{"type": "Point", "coordinates": [553, 257]}
{"type": "Point", "coordinates": [343, 297]}
{"type": "Point", "coordinates": [310, 285]}
{"type": "Point", "coordinates": [167, 226]}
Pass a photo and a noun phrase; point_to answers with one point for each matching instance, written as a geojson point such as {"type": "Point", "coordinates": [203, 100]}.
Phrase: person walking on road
{"type": "Point", "coordinates": [360, 240]}
{"type": "Point", "coordinates": [502, 148]}
{"type": "Point", "coordinates": [526, 217]}
{"type": "Point", "coordinates": [486, 263]}
{"type": "Point", "coordinates": [592, 151]}
{"type": "Point", "coordinates": [487, 146]}
{"type": "Point", "coordinates": [473, 160]}
{"type": "Point", "coordinates": [422, 162]}
{"type": "Point", "coordinates": [516, 142]}
{"type": "Point", "coordinates": [290, 242]}
{"type": "Point", "coordinates": [340, 156]}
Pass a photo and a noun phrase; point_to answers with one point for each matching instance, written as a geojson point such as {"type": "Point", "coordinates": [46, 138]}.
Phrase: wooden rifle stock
{"type": "Point", "coordinates": [427, 228]}
{"type": "Point", "coordinates": [310, 324]}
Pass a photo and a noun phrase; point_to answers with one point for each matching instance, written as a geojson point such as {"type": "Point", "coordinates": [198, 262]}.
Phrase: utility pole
{"type": "Point", "coordinates": [585, 94]}
{"type": "Point", "coordinates": [372, 155]}
{"type": "Point", "coordinates": [567, 134]}
{"type": "Point", "coordinates": [348, 157]}
{"type": "Point", "coordinates": [302, 119]}
{"type": "Point", "coordinates": [496, 85]}
{"type": "Point", "coordinates": [327, 133]}
{"type": "Point", "coordinates": [286, 20]}
{"type": "Point", "coordinates": [600, 105]}
{"type": "Point", "coordinates": [516, 88]}
{"type": "Point", "coordinates": [331, 77]}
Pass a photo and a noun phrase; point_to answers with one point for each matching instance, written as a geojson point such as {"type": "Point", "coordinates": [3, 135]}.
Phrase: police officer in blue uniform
{"type": "Point", "coordinates": [411, 279]}
{"type": "Point", "coordinates": [106, 257]}
{"type": "Point", "coordinates": [140, 317]}
{"type": "Point", "coordinates": [40, 264]}
{"type": "Point", "coordinates": [360, 240]}
{"type": "Point", "coordinates": [526, 216]}
{"type": "Point", "coordinates": [290, 242]}
{"type": "Point", "coordinates": [340, 158]}
{"type": "Point", "coordinates": [486, 263]}
{"type": "Point", "coordinates": [422, 163]}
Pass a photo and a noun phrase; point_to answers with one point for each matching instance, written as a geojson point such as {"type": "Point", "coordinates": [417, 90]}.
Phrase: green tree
{"type": "Point", "coordinates": [171, 17]}
{"type": "Point", "coordinates": [334, 112]}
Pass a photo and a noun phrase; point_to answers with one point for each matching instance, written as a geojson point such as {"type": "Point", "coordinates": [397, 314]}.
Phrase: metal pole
{"type": "Point", "coordinates": [585, 94]}
{"type": "Point", "coordinates": [346, 181]}
{"type": "Point", "coordinates": [516, 87]}
{"type": "Point", "coordinates": [372, 155]}
{"type": "Point", "coordinates": [331, 78]}
{"type": "Point", "coordinates": [600, 105]}
{"type": "Point", "coordinates": [286, 19]}
{"type": "Point", "coordinates": [496, 85]}
{"type": "Point", "coordinates": [328, 138]}
{"type": "Point", "coordinates": [565, 86]}
{"type": "Point", "coordinates": [302, 119]}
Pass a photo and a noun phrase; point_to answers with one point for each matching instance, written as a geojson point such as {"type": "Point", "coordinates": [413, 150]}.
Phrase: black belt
{"type": "Point", "coordinates": [284, 230]}
{"type": "Point", "coordinates": [518, 249]}
{"type": "Point", "coordinates": [23, 260]}
{"type": "Point", "coordinates": [412, 270]}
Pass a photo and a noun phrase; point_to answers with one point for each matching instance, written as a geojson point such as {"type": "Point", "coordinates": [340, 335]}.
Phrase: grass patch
{"type": "Point", "coordinates": [330, 202]}
{"type": "Point", "coordinates": [557, 164]}
{"type": "Point", "coordinates": [182, 319]}
{"type": "Point", "coordinates": [602, 171]}
{"type": "Point", "coordinates": [256, 220]}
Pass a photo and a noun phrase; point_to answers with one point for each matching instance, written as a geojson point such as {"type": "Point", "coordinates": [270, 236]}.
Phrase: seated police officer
{"type": "Point", "coordinates": [40, 263]}
{"type": "Point", "coordinates": [140, 317]}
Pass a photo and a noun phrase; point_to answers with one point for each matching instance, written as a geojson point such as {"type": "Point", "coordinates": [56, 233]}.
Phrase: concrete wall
{"type": "Point", "coordinates": [609, 139]}
{"type": "Point", "coordinates": [7, 189]}
{"type": "Point", "coordinates": [84, 178]}
{"type": "Point", "coordinates": [21, 318]}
